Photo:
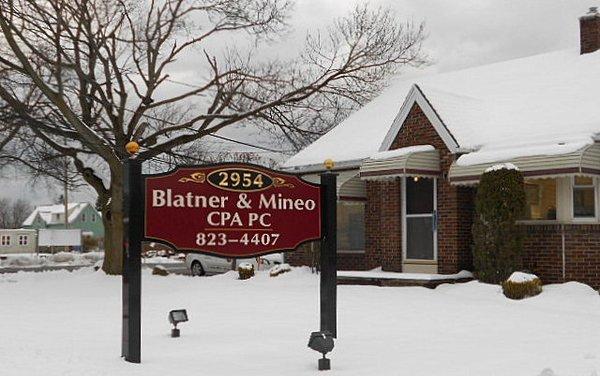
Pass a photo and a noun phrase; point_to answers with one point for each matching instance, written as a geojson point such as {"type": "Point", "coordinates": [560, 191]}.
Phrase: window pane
{"type": "Point", "coordinates": [419, 238]}
{"type": "Point", "coordinates": [583, 202]}
{"type": "Point", "coordinates": [351, 225]}
{"type": "Point", "coordinates": [419, 196]}
{"type": "Point", "coordinates": [540, 196]}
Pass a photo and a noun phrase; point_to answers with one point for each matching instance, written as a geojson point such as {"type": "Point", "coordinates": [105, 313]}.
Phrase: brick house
{"type": "Point", "coordinates": [409, 162]}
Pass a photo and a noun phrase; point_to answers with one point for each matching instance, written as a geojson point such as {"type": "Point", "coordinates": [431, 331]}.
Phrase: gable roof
{"type": "Point", "coordinates": [416, 96]}
{"type": "Point", "coordinates": [46, 212]}
{"type": "Point", "coordinates": [548, 102]}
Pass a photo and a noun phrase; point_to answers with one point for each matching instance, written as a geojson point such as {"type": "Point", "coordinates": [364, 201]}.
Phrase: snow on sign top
{"type": "Point", "coordinates": [548, 102]}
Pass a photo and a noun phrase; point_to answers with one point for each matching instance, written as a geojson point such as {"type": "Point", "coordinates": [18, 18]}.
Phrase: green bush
{"type": "Point", "coordinates": [497, 240]}
{"type": "Point", "coordinates": [521, 290]}
{"type": "Point", "coordinates": [246, 270]}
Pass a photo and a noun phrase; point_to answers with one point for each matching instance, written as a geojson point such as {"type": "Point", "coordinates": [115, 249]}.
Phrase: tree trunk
{"type": "Point", "coordinates": [112, 217]}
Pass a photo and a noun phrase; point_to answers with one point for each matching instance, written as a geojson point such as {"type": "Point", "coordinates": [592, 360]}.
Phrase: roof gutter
{"type": "Point", "coordinates": [316, 168]}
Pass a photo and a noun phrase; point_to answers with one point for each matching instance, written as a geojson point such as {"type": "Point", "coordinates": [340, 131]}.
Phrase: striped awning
{"type": "Point", "coordinates": [349, 185]}
{"type": "Point", "coordinates": [585, 161]}
{"type": "Point", "coordinates": [421, 160]}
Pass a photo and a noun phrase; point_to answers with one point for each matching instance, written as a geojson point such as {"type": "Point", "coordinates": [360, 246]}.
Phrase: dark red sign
{"type": "Point", "coordinates": [231, 210]}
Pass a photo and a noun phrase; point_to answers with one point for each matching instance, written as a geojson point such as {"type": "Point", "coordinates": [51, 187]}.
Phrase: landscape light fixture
{"type": "Point", "coordinates": [175, 317]}
{"type": "Point", "coordinates": [322, 342]}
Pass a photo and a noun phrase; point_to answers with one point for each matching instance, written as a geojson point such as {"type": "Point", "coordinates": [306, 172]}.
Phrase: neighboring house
{"type": "Point", "coordinates": [81, 215]}
{"type": "Point", "coordinates": [17, 241]}
{"type": "Point", "coordinates": [409, 162]}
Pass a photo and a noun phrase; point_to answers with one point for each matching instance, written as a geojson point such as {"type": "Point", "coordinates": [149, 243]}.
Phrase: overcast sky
{"type": "Point", "coordinates": [462, 33]}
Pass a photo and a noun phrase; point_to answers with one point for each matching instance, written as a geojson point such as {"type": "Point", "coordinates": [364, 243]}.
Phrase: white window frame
{"type": "Point", "coordinates": [403, 224]}
{"type": "Point", "coordinates": [572, 202]}
{"type": "Point", "coordinates": [5, 240]}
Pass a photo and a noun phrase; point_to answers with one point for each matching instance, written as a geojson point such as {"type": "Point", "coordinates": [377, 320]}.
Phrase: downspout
{"type": "Point", "coordinates": [562, 235]}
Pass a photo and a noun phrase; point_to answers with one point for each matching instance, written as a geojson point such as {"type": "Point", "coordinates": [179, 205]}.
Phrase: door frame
{"type": "Point", "coordinates": [403, 223]}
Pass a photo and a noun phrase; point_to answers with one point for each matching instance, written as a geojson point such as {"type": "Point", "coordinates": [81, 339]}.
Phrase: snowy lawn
{"type": "Point", "coordinates": [25, 260]}
{"type": "Point", "coordinates": [61, 323]}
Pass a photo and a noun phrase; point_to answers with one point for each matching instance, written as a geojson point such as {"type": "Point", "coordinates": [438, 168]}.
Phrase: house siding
{"type": "Point", "coordinates": [14, 246]}
{"type": "Point", "coordinates": [96, 227]}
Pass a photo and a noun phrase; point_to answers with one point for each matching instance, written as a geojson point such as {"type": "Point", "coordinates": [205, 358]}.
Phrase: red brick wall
{"type": "Point", "coordinates": [589, 33]}
{"type": "Point", "coordinates": [455, 204]}
{"type": "Point", "coordinates": [542, 253]}
{"type": "Point", "coordinates": [383, 242]}
{"type": "Point", "coordinates": [302, 256]}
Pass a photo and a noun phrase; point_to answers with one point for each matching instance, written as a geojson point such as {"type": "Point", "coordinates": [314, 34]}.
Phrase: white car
{"type": "Point", "coordinates": [200, 264]}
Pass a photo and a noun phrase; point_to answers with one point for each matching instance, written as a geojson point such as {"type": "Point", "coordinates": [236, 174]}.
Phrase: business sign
{"type": "Point", "coordinates": [231, 210]}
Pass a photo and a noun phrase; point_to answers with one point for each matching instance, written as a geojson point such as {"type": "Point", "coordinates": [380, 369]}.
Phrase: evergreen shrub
{"type": "Point", "coordinates": [497, 240]}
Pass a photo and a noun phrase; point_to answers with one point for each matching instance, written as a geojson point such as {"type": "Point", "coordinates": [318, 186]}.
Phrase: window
{"type": "Point", "coordinates": [5, 240]}
{"type": "Point", "coordinates": [23, 239]}
{"type": "Point", "coordinates": [540, 196]}
{"type": "Point", "coordinates": [83, 217]}
{"type": "Point", "coordinates": [584, 197]}
{"type": "Point", "coordinates": [351, 225]}
{"type": "Point", "coordinates": [93, 217]}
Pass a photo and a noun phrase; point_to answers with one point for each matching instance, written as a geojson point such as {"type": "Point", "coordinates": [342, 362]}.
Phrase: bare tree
{"type": "Point", "coordinates": [83, 78]}
{"type": "Point", "coordinates": [13, 212]}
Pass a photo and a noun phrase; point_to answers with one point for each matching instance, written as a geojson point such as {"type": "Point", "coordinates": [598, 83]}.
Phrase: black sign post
{"type": "Point", "coordinates": [329, 254]}
{"type": "Point", "coordinates": [133, 228]}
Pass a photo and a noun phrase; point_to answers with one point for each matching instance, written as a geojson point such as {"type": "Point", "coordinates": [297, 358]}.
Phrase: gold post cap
{"type": "Point", "coordinates": [329, 164]}
{"type": "Point", "coordinates": [132, 147]}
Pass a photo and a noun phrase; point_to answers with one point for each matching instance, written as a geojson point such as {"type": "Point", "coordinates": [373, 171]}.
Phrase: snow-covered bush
{"type": "Point", "coordinates": [20, 261]}
{"type": "Point", "coordinates": [62, 257]}
{"type": "Point", "coordinates": [499, 203]}
{"type": "Point", "coordinates": [521, 285]}
{"type": "Point", "coordinates": [98, 265]}
{"type": "Point", "coordinates": [279, 269]}
{"type": "Point", "coordinates": [160, 270]}
{"type": "Point", "coordinates": [93, 256]}
{"type": "Point", "coordinates": [246, 270]}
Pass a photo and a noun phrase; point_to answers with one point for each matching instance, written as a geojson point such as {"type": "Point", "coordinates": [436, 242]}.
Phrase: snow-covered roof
{"type": "Point", "coordinates": [545, 103]}
{"type": "Point", "coordinates": [402, 151]}
{"type": "Point", "coordinates": [49, 213]}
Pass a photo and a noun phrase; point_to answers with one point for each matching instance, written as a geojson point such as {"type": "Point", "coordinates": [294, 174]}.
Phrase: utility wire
{"type": "Point", "coordinates": [192, 86]}
{"type": "Point", "coordinates": [265, 148]}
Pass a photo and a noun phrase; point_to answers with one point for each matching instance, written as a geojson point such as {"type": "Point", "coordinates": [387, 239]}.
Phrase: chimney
{"type": "Point", "coordinates": [589, 31]}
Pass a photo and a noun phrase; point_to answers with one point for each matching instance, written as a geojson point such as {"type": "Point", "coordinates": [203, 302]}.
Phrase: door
{"type": "Point", "coordinates": [420, 219]}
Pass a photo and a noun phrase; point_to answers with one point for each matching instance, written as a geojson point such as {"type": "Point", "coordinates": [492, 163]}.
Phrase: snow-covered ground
{"type": "Point", "coordinates": [25, 260]}
{"type": "Point", "coordinates": [61, 323]}
{"type": "Point", "coordinates": [377, 273]}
